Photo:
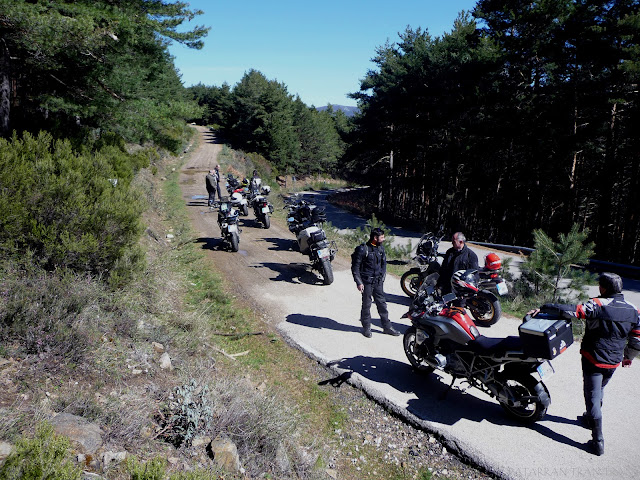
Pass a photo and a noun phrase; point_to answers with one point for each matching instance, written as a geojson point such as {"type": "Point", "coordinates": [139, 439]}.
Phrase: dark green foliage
{"type": "Point", "coordinates": [529, 121]}
{"type": "Point", "coordinates": [65, 210]}
{"type": "Point", "coordinates": [259, 115]}
{"type": "Point", "coordinates": [94, 65]}
{"type": "Point", "coordinates": [552, 272]}
{"type": "Point", "coordinates": [45, 455]}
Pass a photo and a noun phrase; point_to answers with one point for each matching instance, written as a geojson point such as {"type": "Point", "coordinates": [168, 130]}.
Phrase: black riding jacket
{"type": "Point", "coordinates": [612, 329]}
{"type": "Point", "coordinates": [369, 264]}
{"type": "Point", "coordinates": [453, 261]}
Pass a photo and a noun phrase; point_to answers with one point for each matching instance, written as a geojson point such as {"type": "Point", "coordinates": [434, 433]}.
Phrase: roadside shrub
{"type": "Point", "coordinates": [46, 455]}
{"type": "Point", "coordinates": [64, 209]}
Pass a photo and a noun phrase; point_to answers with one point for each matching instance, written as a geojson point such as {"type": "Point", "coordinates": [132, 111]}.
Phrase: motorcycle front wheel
{"type": "Point", "coordinates": [327, 271]}
{"type": "Point", "coordinates": [521, 397]}
{"type": "Point", "coordinates": [485, 310]}
{"type": "Point", "coordinates": [267, 221]}
{"type": "Point", "coordinates": [410, 282]}
{"type": "Point", "coordinates": [235, 241]}
{"type": "Point", "coordinates": [413, 355]}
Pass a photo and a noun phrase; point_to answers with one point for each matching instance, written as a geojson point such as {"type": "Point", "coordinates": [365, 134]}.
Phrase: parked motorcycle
{"type": "Point", "coordinates": [228, 223]}
{"type": "Point", "coordinates": [305, 222]}
{"type": "Point", "coordinates": [258, 199]}
{"type": "Point", "coordinates": [238, 192]}
{"type": "Point", "coordinates": [427, 263]}
{"type": "Point", "coordinates": [483, 304]}
{"type": "Point", "coordinates": [510, 369]}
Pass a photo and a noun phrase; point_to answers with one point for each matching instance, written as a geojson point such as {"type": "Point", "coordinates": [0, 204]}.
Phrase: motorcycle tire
{"type": "Point", "coordinates": [245, 210]}
{"type": "Point", "coordinates": [235, 241]}
{"type": "Point", "coordinates": [523, 385]}
{"type": "Point", "coordinates": [415, 359]}
{"type": "Point", "coordinates": [267, 221]}
{"type": "Point", "coordinates": [410, 282]}
{"type": "Point", "coordinates": [484, 309]}
{"type": "Point", "coordinates": [327, 271]}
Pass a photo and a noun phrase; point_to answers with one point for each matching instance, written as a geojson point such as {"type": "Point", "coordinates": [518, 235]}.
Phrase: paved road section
{"type": "Point", "coordinates": [323, 321]}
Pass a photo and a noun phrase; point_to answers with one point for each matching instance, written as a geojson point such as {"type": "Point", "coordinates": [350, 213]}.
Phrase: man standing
{"type": "Point", "coordinates": [211, 183]}
{"type": "Point", "coordinates": [458, 257]}
{"type": "Point", "coordinates": [218, 181]}
{"type": "Point", "coordinates": [369, 268]}
{"type": "Point", "coordinates": [611, 338]}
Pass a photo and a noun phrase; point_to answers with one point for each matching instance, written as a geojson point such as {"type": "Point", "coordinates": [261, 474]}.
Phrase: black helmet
{"type": "Point", "coordinates": [464, 282]}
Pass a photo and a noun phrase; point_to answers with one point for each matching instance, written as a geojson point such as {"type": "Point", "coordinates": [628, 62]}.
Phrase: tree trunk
{"type": "Point", "coordinates": [5, 89]}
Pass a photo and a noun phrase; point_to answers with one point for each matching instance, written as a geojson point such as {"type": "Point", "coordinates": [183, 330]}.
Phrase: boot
{"type": "Point", "coordinates": [585, 421]}
{"type": "Point", "coordinates": [389, 330]}
{"type": "Point", "coordinates": [596, 444]}
{"type": "Point", "coordinates": [366, 330]}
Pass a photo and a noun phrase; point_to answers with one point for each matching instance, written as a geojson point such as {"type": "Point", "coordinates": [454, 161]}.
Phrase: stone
{"type": "Point", "coordinates": [113, 458]}
{"type": "Point", "coordinates": [225, 454]}
{"type": "Point", "coordinates": [136, 371]}
{"type": "Point", "coordinates": [6, 449]}
{"type": "Point", "coordinates": [200, 441]}
{"type": "Point", "coordinates": [332, 473]}
{"type": "Point", "coordinates": [87, 435]}
{"type": "Point", "coordinates": [165, 362]}
{"type": "Point", "coordinates": [157, 347]}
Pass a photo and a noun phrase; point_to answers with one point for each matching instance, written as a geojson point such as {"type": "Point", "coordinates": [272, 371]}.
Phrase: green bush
{"type": "Point", "coordinates": [46, 455]}
{"type": "Point", "coordinates": [64, 209]}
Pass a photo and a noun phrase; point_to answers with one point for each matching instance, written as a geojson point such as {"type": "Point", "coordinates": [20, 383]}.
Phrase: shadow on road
{"type": "Point", "coordinates": [330, 324]}
{"type": "Point", "coordinates": [280, 244]}
{"type": "Point", "coordinates": [436, 402]}
{"type": "Point", "coordinates": [291, 272]}
{"type": "Point", "coordinates": [398, 299]}
{"type": "Point", "coordinates": [211, 243]}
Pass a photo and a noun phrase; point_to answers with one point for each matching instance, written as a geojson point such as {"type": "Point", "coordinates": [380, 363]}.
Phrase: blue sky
{"type": "Point", "coordinates": [319, 50]}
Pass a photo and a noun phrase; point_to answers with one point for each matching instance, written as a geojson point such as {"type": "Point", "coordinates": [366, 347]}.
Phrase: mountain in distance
{"type": "Point", "coordinates": [348, 110]}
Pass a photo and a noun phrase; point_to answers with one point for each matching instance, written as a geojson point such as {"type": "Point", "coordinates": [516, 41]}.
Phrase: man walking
{"type": "Point", "coordinates": [611, 338]}
{"type": "Point", "coordinates": [369, 268]}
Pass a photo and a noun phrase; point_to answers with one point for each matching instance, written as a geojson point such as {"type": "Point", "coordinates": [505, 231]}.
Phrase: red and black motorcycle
{"type": "Point", "coordinates": [483, 303]}
{"type": "Point", "coordinates": [511, 369]}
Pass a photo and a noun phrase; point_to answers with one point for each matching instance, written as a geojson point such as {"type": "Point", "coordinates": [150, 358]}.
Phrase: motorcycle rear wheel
{"type": "Point", "coordinates": [485, 311]}
{"type": "Point", "coordinates": [327, 271]}
{"type": "Point", "coordinates": [518, 387]}
{"type": "Point", "coordinates": [235, 241]}
{"type": "Point", "coordinates": [267, 220]}
{"type": "Point", "coordinates": [415, 358]}
{"type": "Point", "coordinates": [245, 210]}
{"type": "Point", "coordinates": [410, 282]}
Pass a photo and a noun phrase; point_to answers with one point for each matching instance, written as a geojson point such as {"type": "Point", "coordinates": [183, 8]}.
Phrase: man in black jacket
{"type": "Point", "coordinates": [369, 268]}
{"type": "Point", "coordinates": [611, 338]}
{"type": "Point", "coordinates": [458, 257]}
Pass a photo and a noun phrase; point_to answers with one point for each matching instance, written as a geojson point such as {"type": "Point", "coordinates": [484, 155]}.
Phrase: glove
{"type": "Point", "coordinates": [626, 362]}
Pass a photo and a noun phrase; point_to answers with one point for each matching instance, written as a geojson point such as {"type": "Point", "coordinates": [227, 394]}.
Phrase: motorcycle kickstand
{"type": "Point", "coordinates": [444, 394]}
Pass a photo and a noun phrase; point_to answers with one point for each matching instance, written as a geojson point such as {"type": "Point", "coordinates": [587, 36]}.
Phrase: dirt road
{"type": "Point", "coordinates": [323, 321]}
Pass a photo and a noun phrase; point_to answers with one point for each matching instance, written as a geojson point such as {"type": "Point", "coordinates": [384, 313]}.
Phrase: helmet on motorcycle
{"type": "Point", "coordinates": [426, 248]}
{"type": "Point", "coordinates": [464, 282]}
{"type": "Point", "coordinates": [492, 262]}
{"type": "Point", "coordinates": [236, 197]}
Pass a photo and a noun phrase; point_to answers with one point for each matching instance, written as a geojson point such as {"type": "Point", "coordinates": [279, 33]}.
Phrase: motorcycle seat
{"type": "Point", "coordinates": [491, 345]}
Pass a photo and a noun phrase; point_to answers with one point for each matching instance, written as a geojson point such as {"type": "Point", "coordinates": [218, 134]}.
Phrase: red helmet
{"type": "Point", "coordinates": [492, 262]}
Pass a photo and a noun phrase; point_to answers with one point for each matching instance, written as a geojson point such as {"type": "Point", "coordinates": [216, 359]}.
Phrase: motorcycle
{"type": "Point", "coordinates": [427, 260]}
{"type": "Point", "coordinates": [238, 193]}
{"type": "Point", "coordinates": [228, 223]}
{"type": "Point", "coordinates": [483, 304]}
{"type": "Point", "coordinates": [511, 369]}
{"type": "Point", "coordinates": [305, 222]}
{"type": "Point", "coordinates": [258, 199]}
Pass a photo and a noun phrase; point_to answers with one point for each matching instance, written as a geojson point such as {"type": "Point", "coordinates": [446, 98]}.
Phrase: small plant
{"type": "Point", "coordinates": [188, 412]}
{"type": "Point", "coordinates": [46, 455]}
{"type": "Point", "coordinates": [154, 469]}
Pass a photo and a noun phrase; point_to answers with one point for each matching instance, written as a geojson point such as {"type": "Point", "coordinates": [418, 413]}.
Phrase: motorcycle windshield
{"type": "Point", "coordinates": [426, 289]}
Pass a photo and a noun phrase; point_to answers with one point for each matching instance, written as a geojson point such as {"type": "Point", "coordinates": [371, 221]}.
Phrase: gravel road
{"type": "Point", "coordinates": [323, 321]}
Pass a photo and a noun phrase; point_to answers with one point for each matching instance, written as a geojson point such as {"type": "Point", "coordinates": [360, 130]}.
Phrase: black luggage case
{"type": "Point", "coordinates": [545, 337]}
